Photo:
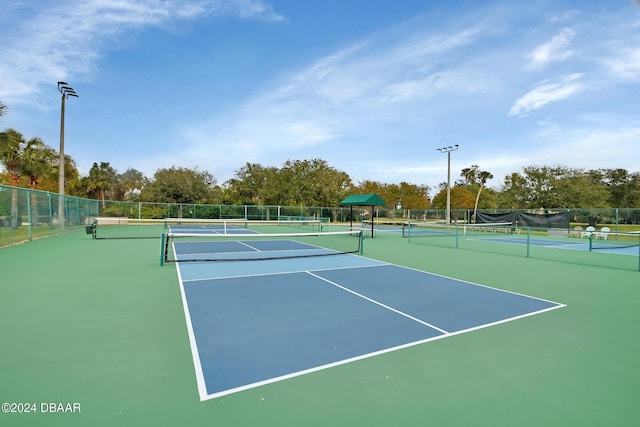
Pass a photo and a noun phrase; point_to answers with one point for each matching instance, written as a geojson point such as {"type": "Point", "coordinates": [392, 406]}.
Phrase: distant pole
{"type": "Point", "coordinates": [448, 150]}
{"type": "Point", "coordinates": [66, 91]}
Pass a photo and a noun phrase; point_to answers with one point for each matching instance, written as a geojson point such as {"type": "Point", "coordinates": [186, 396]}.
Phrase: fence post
{"type": "Point", "coordinates": [50, 211]}
{"type": "Point", "coordinates": [29, 213]}
{"type": "Point", "coordinates": [638, 253]}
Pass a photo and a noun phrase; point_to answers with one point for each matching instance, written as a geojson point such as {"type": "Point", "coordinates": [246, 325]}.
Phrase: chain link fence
{"type": "Point", "coordinates": [27, 214]}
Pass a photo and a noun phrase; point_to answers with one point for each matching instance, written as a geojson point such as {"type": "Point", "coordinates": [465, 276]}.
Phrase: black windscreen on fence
{"type": "Point", "coordinates": [523, 219]}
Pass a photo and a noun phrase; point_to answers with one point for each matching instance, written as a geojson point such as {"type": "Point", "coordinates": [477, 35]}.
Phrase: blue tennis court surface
{"type": "Point", "coordinates": [251, 323]}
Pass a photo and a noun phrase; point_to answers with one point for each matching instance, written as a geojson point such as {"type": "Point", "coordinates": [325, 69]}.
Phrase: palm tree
{"type": "Point", "coordinates": [101, 179]}
{"type": "Point", "coordinates": [11, 144]}
{"type": "Point", "coordinates": [3, 109]}
{"type": "Point", "coordinates": [484, 176]}
{"type": "Point", "coordinates": [36, 162]}
{"type": "Point", "coordinates": [470, 175]}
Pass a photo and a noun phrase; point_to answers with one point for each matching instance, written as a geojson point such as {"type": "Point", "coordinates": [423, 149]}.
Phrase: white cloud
{"type": "Point", "coordinates": [413, 89]}
{"type": "Point", "coordinates": [593, 148]}
{"type": "Point", "coordinates": [378, 69]}
{"type": "Point", "coordinates": [546, 93]}
{"type": "Point", "coordinates": [563, 16]}
{"type": "Point", "coordinates": [340, 95]}
{"type": "Point", "coordinates": [626, 65]}
{"type": "Point", "coordinates": [555, 50]}
{"type": "Point", "coordinates": [65, 38]}
{"type": "Point", "coordinates": [464, 80]}
{"type": "Point", "coordinates": [252, 9]}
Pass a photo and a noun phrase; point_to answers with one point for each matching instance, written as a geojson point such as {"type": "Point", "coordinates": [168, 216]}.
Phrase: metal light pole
{"type": "Point", "coordinates": [448, 150]}
{"type": "Point", "coordinates": [66, 91]}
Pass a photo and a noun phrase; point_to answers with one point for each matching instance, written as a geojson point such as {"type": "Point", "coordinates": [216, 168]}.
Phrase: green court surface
{"type": "Point", "coordinates": [101, 324]}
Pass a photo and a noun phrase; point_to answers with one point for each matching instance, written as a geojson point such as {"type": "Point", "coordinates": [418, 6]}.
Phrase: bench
{"type": "Point", "coordinates": [557, 232]}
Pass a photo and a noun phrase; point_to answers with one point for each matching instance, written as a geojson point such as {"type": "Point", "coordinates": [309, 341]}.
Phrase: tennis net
{"type": "Point", "coordinates": [127, 228]}
{"type": "Point", "coordinates": [612, 240]}
{"type": "Point", "coordinates": [438, 229]}
{"type": "Point", "coordinates": [200, 247]}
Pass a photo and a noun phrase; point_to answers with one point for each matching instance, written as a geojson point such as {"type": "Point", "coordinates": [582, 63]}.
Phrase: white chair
{"type": "Point", "coordinates": [576, 231]}
{"type": "Point", "coordinates": [602, 234]}
{"type": "Point", "coordinates": [587, 233]}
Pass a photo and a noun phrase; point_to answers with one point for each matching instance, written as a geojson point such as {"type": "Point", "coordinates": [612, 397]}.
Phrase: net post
{"type": "Point", "coordinates": [591, 242]}
{"type": "Point", "coordinates": [361, 244]}
{"type": "Point", "coordinates": [162, 248]}
{"type": "Point", "coordinates": [528, 241]}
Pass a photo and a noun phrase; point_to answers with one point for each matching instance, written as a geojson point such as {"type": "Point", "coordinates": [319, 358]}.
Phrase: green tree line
{"type": "Point", "coordinates": [544, 187]}
{"type": "Point", "coordinates": [313, 182]}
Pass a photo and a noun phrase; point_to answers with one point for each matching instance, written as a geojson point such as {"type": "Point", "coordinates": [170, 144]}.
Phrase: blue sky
{"type": "Point", "coordinates": [373, 87]}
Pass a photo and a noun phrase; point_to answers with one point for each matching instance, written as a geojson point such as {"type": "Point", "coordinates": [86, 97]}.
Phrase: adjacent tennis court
{"type": "Point", "coordinates": [296, 310]}
{"type": "Point", "coordinates": [620, 250]}
{"type": "Point", "coordinates": [615, 247]}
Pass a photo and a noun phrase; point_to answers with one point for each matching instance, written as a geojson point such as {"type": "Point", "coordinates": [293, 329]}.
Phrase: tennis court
{"type": "Point", "coordinates": [587, 245]}
{"type": "Point", "coordinates": [100, 323]}
{"type": "Point", "coordinates": [268, 320]}
{"type": "Point", "coordinates": [619, 250]}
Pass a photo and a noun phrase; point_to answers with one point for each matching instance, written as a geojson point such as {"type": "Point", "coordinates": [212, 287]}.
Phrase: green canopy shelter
{"type": "Point", "coordinates": [371, 200]}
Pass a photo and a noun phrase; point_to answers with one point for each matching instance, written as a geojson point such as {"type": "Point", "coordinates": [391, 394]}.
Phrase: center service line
{"type": "Point", "coordinates": [415, 319]}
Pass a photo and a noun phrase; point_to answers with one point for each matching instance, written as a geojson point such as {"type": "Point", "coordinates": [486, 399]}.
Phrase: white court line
{"type": "Point", "coordinates": [304, 270]}
{"type": "Point", "coordinates": [195, 354]}
{"type": "Point", "coordinates": [379, 303]}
